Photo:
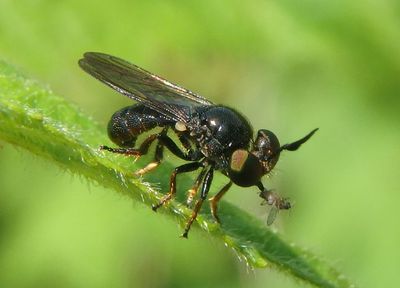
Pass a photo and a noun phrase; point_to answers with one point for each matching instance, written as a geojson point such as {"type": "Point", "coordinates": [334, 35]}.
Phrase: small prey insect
{"type": "Point", "coordinates": [276, 202]}
{"type": "Point", "coordinates": [215, 137]}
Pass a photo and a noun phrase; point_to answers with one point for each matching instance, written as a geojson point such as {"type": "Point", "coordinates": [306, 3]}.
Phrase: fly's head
{"type": "Point", "coordinates": [267, 150]}
{"type": "Point", "coordinates": [246, 168]}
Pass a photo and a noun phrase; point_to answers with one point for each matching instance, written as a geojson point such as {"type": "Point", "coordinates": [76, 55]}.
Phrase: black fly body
{"type": "Point", "coordinates": [214, 137]}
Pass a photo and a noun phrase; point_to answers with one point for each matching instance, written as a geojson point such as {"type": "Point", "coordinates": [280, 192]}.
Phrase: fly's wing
{"type": "Point", "coordinates": [171, 100]}
{"type": "Point", "coordinates": [272, 215]}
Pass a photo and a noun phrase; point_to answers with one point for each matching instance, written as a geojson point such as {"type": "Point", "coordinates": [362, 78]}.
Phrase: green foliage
{"type": "Point", "coordinates": [34, 118]}
{"type": "Point", "coordinates": [288, 66]}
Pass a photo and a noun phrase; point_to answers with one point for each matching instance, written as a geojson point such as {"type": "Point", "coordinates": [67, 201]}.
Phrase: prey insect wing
{"type": "Point", "coordinates": [272, 214]}
{"type": "Point", "coordinates": [169, 99]}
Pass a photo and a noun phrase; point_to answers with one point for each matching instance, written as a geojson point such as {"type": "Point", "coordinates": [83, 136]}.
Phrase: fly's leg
{"type": "Point", "coordinates": [157, 157]}
{"type": "Point", "coordinates": [190, 155]}
{"type": "Point", "coordinates": [167, 142]}
{"type": "Point", "coordinates": [193, 154]}
{"type": "Point", "coordinates": [204, 191]}
{"type": "Point", "coordinates": [193, 191]}
{"type": "Point", "coordinates": [163, 140]}
{"type": "Point", "coordinates": [153, 164]}
{"type": "Point", "coordinates": [172, 185]}
{"type": "Point", "coordinates": [142, 150]}
{"type": "Point", "coordinates": [124, 151]}
{"type": "Point", "coordinates": [214, 200]}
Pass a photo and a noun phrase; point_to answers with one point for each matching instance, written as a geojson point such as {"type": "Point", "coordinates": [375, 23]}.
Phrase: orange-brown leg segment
{"type": "Point", "coordinates": [193, 191]}
{"type": "Point", "coordinates": [172, 184]}
{"type": "Point", "coordinates": [163, 141]}
{"type": "Point", "coordinates": [214, 200]}
{"type": "Point", "coordinates": [158, 155]}
{"type": "Point", "coordinates": [204, 191]}
{"type": "Point", "coordinates": [154, 164]}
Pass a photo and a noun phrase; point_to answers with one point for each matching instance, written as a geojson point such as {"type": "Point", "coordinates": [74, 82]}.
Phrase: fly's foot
{"type": "Point", "coordinates": [163, 200]}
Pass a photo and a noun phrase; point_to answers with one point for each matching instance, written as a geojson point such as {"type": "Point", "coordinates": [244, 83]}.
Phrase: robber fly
{"type": "Point", "coordinates": [214, 137]}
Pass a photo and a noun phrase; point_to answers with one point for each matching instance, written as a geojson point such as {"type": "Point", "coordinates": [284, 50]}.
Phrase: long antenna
{"type": "Point", "coordinates": [294, 145]}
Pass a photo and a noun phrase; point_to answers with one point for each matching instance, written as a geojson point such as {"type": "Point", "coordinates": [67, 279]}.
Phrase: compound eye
{"type": "Point", "coordinates": [267, 147]}
{"type": "Point", "coordinates": [245, 169]}
{"type": "Point", "coordinates": [267, 142]}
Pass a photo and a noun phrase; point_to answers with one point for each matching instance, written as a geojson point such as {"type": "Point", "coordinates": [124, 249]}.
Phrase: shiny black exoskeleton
{"type": "Point", "coordinates": [214, 137]}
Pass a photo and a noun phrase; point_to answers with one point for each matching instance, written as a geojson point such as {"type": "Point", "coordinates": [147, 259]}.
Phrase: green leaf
{"type": "Point", "coordinates": [34, 118]}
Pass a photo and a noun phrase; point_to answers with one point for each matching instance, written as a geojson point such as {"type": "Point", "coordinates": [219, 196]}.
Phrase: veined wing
{"type": "Point", "coordinates": [169, 99]}
{"type": "Point", "coordinates": [272, 215]}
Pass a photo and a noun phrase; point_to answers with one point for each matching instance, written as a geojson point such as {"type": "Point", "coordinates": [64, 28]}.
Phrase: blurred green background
{"type": "Point", "coordinates": [290, 66]}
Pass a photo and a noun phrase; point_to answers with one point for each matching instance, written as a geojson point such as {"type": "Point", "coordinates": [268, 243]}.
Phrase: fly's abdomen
{"type": "Point", "coordinates": [129, 122]}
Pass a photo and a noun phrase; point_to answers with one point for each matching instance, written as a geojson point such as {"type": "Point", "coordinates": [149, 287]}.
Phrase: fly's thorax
{"type": "Point", "coordinates": [220, 130]}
